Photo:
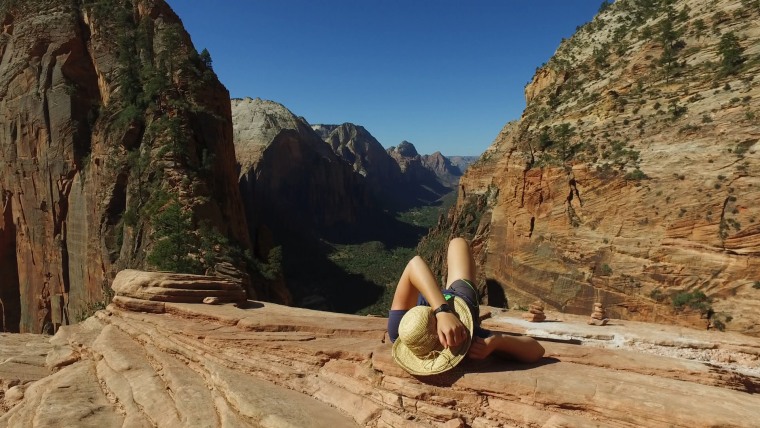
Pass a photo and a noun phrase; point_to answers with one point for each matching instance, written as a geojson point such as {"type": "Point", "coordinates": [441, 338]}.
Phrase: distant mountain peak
{"type": "Point", "coordinates": [405, 149]}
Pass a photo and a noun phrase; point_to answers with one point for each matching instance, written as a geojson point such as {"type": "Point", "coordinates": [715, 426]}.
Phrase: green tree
{"type": "Point", "coordinates": [170, 56]}
{"type": "Point", "coordinates": [731, 53]}
{"type": "Point", "coordinates": [676, 110]}
{"type": "Point", "coordinates": [562, 135]}
{"type": "Point", "coordinates": [699, 28]}
{"type": "Point", "coordinates": [600, 56]}
{"type": "Point", "coordinates": [695, 300]}
{"type": "Point", "coordinates": [671, 44]}
{"type": "Point", "coordinates": [545, 139]}
{"type": "Point", "coordinates": [205, 57]}
{"type": "Point", "coordinates": [272, 269]}
{"type": "Point", "coordinates": [214, 247]}
{"type": "Point", "coordinates": [174, 246]}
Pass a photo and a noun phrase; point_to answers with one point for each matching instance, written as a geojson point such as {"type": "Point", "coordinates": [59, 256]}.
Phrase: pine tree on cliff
{"type": "Point", "coordinates": [731, 53]}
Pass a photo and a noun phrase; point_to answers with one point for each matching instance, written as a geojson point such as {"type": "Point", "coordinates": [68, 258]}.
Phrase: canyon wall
{"type": "Point", "coordinates": [289, 175]}
{"type": "Point", "coordinates": [631, 178]}
{"type": "Point", "coordinates": [297, 193]}
{"type": "Point", "coordinates": [399, 177]}
{"type": "Point", "coordinates": [107, 117]}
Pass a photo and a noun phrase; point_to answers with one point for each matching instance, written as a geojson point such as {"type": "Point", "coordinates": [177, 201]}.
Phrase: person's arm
{"type": "Point", "coordinates": [522, 348]}
{"type": "Point", "coordinates": [417, 278]}
{"type": "Point", "coordinates": [451, 331]}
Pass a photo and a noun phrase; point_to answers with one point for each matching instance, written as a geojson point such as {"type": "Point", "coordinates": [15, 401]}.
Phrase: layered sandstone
{"type": "Point", "coordinates": [97, 132]}
{"type": "Point", "coordinates": [632, 175]}
{"type": "Point", "coordinates": [262, 364]}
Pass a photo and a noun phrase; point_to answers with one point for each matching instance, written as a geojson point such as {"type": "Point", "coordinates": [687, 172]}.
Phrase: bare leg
{"type": "Point", "coordinates": [415, 278]}
{"type": "Point", "coordinates": [418, 279]}
{"type": "Point", "coordinates": [461, 265]}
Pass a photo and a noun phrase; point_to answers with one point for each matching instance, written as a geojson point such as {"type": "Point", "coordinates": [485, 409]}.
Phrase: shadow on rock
{"type": "Point", "coordinates": [493, 364]}
{"type": "Point", "coordinates": [496, 364]}
{"type": "Point", "coordinates": [250, 304]}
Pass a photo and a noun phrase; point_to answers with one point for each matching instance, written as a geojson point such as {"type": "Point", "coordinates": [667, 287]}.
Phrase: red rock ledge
{"type": "Point", "coordinates": [261, 364]}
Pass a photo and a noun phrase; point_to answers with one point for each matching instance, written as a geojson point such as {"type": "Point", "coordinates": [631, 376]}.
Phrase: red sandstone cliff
{"type": "Point", "coordinates": [632, 176]}
{"type": "Point", "coordinates": [107, 115]}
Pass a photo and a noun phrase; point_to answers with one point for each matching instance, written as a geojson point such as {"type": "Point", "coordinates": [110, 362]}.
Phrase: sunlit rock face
{"type": "Point", "coordinates": [632, 176]}
{"type": "Point", "coordinates": [104, 107]}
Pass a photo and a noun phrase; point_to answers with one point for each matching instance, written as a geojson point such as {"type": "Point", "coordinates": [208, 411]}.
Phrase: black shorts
{"type": "Point", "coordinates": [461, 288]}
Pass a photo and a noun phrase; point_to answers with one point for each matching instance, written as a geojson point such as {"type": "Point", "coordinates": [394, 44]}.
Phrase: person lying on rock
{"type": "Point", "coordinates": [432, 330]}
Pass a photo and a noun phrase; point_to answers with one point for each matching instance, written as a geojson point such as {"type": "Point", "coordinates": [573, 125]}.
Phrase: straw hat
{"type": "Point", "coordinates": [418, 349]}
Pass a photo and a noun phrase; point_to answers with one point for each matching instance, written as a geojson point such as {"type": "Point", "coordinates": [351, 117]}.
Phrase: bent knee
{"type": "Point", "coordinates": [459, 241]}
{"type": "Point", "coordinates": [416, 259]}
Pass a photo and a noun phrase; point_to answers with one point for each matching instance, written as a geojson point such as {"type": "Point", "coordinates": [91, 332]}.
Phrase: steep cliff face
{"type": "Point", "coordinates": [107, 117]}
{"type": "Point", "coordinates": [363, 152]}
{"type": "Point", "coordinates": [297, 192]}
{"type": "Point", "coordinates": [448, 174]}
{"type": "Point", "coordinates": [420, 171]}
{"type": "Point", "coordinates": [632, 176]}
{"type": "Point", "coordinates": [396, 184]}
{"type": "Point", "coordinates": [287, 171]}
{"type": "Point", "coordinates": [399, 177]}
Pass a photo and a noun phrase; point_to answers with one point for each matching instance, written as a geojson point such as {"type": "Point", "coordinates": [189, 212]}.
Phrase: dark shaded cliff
{"type": "Point", "coordinates": [300, 199]}
{"type": "Point", "coordinates": [399, 177]}
{"type": "Point", "coordinates": [289, 177]}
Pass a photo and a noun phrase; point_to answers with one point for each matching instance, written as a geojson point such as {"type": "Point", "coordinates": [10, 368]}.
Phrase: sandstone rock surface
{"type": "Point", "coordinates": [269, 365]}
{"type": "Point", "coordinates": [138, 287]}
{"type": "Point", "coordinates": [22, 361]}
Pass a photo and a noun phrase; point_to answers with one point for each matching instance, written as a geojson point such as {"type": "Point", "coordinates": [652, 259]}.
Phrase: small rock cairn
{"type": "Point", "coordinates": [598, 317]}
{"type": "Point", "coordinates": [536, 312]}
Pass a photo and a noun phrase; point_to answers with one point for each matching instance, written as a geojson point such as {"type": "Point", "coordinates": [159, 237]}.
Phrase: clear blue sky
{"type": "Point", "coordinates": [445, 75]}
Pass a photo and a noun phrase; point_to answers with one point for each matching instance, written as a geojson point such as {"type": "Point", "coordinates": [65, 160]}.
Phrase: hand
{"type": "Point", "coordinates": [451, 331]}
{"type": "Point", "coordinates": [480, 348]}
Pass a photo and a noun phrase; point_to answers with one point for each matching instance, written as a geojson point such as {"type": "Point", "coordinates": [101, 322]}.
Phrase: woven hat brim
{"type": "Point", "coordinates": [442, 361]}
